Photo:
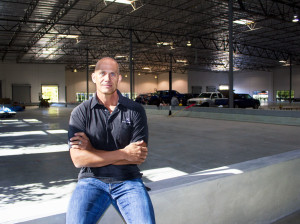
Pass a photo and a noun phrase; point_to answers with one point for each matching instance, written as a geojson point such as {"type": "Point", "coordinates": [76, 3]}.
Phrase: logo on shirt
{"type": "Point", "coordinates": [126, 121]}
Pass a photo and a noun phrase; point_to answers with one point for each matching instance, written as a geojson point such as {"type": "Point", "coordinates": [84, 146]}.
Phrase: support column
{"type": "Point", "coordinates": [230, 21]}
{"type": "Point", "coordinates": [131, 65]}
{"type": "Point", "coordinates": [291, 87]}
{"type": "Point", "coordinates": [170, 83]}
{"type": "Point", "coordinates": [87, 73]}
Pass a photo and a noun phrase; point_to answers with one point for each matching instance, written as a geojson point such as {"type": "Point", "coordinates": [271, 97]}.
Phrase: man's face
{"type": "Point", "coordinates": [107, 77]}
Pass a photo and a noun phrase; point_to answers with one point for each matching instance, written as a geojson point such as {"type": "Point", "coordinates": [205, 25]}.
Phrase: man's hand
{"type": "Point", "coordinates": [136, 152]}
{"type": "Point", "coordinates": [80, 141]}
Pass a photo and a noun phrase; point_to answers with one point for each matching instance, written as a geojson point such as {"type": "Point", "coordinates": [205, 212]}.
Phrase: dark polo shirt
{"type": "Point", "coordinates": [126, 124]}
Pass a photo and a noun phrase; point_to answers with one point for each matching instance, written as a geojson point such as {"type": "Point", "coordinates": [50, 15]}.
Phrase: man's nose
{"type": "Point", "coordinates": [107, 77]}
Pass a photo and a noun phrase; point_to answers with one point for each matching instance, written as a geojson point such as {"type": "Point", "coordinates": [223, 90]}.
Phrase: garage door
{"type": "Point", "coordinates": [21, 93]}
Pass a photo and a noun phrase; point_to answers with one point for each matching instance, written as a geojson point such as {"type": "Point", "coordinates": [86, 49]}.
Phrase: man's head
{"type": "Point", "coordinates": [106, 76]}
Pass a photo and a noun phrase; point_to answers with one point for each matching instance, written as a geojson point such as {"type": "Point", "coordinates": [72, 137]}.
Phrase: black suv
{"type": "Point", "coordinates": [165, 97]}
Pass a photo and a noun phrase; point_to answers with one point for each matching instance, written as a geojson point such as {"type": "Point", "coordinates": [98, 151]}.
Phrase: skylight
{"type": "Point", "coordinates": [243, 21]}
{"type": "Point", "coordinates": [128, 2]}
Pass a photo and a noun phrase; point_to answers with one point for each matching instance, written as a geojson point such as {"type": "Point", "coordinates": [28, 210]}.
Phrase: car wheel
{"type": "Point", "coordinates": [256, 106]}
{"type": "Point", "coordinates": [236, 106]}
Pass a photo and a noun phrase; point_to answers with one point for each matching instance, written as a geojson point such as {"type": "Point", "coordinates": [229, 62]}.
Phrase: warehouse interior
{"type": "Point", "coordinates": [52, 46]}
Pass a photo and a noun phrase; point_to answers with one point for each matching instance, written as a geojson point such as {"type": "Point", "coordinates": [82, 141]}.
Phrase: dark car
{"type": "Point", "coordinates": [241, 100]}
{"type": "Point", "coordinates": [245, 100]}
{"type": "Point", "coordinates": [143, 98]}
{"type": "Point", "coordinates": [164, 96]}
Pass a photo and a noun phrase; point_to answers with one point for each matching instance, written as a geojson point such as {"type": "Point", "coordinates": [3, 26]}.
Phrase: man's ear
{"type": "Point", "coordinates": [120, 78]}
{"type": "Point", "coordinates": [93, 78]}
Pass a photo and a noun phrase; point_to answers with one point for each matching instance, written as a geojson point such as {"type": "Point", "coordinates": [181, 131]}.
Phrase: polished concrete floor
{"type": "Point", "coordinates": [37, 175]}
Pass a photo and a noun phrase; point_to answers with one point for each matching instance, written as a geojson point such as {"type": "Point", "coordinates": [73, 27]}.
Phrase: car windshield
{"type": "Point", "coordinates": [204, 95]}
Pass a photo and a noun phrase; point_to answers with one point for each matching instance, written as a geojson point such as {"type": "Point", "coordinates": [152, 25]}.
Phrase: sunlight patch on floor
{"type": "Point", "coordinates": [162, 173]}
{"type": "Point", "coordinates": [35, 200]}
{"type": "Point", "coordinates": [5, 150]}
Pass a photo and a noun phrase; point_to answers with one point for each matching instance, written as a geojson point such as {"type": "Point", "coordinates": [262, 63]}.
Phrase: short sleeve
{"type": "Point", "coordinates": [76, 122]}
{"type": "Point", "coordinates": [140, 126]}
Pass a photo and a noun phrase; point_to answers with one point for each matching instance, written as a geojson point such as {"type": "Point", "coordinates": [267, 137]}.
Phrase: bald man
{"type": "Point", "coordinates": [108, 136]}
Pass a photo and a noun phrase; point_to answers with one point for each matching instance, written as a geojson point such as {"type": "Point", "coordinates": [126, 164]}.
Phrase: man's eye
{"type": "Point", "coordinates": [102, 73]}
{"type": "Point", "coordinates": [113, 74]}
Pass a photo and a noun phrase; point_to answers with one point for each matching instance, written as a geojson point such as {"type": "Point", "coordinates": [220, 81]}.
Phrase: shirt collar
{"type": "Point", "coordinates": [95, 100]}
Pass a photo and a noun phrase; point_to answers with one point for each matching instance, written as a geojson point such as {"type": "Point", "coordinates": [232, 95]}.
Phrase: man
{"type": "Point", "coordinates": [174, 101]}
{"type": "Point", "coordinates": [108, 137]}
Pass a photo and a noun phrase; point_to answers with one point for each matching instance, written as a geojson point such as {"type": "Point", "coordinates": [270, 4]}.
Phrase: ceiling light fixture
{"type": "Point", "coordinates": [243, 21]}
{"type": "Point", "coordinates": [164, 43]}
{"type": "Point", "coordinates": [181, 61]}
{"type": "Point", "coordinates": [135, 4]}
{"type": "Point", "coordinates": [127, 2]}
{"type": "Point", "coordinates": [147, 68]}
{"type": "Point", "coordinates": [295, 19]}
{"type": "Point", "coordinates": [120, 56]}
{"type": "Point", "coordinates": [189, 44]}
{"type": "Point", "coordinates": [68, 36]}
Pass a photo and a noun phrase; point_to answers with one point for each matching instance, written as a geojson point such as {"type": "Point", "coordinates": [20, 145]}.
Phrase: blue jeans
{"type": "Point", "coordinates": [92, 197]}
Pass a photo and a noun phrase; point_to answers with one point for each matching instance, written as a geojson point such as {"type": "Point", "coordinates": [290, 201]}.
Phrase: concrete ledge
{"type": "Point", "coordinates": [259, 191]}
{"type": "Point", "coordinates": [259, 116]}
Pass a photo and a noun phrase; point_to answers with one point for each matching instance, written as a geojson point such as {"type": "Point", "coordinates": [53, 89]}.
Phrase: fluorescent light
{"type": "Point", "coordinates": [128, 2]}
{"type": "Point", "coordinates": [181, 61]}
{"type": "Point", "coordinates": [223, 87]}
{"type": "Point", "coordinates": [243, 21]}
{"type": "Point", "coordinates": [120, 56]}
{"type": "Point", "coordinates": [189, 44]}
{"type": "Point", "coordinates": [295, 19]}
{"type": "Point", "coordinates": [282, 61]}
{"type": "Point", "coordinates": [147, 68]}
{"type": "Point", "coordinates": [68, 36]}
{"type": "Point", "coordinates": [164, 43]}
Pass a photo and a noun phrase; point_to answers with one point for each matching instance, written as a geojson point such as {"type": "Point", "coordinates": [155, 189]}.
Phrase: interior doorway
{"type": "Point", "coordinates": [21, 93]}
{"type": "Point", "coordinates": [50, 93]}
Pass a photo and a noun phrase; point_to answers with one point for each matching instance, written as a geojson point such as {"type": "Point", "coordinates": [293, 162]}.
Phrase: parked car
{"type": "Point", "coordinates": [206, 99]}
{"type": "Point", "coordinates": [6, 112]}
{"type": "Point", "coordinates": [241, 100]}
{"type": "Point", "coordinates": [165, 97]}
{"type": "Point", "coordinates": [143, 98]}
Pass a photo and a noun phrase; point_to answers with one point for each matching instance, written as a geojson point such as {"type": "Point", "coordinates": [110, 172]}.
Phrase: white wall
{"type": "Point", "coordinates": [243, 82]}
{"type": "Point", "coordinates": [179, 82]}
{"type": "Point", "coordinates": [34, 75]}
{"type": "Point", "coordinates": [282, 80]}
{"type": "Point", "coordinates": [76, 82]}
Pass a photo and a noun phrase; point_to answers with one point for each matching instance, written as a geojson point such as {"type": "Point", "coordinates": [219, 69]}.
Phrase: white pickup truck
{"type": "Point", "coordinates": [206, 99]}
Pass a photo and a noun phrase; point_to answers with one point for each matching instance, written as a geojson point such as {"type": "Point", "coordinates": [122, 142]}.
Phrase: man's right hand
{"type": "Point", "coordinates": [135, 152]}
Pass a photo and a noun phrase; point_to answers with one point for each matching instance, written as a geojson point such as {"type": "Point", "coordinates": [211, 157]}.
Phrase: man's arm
{"type": "Point", "coordinates": [126, 162]}
{"type": "Point", "coordinates": [83, 154]}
